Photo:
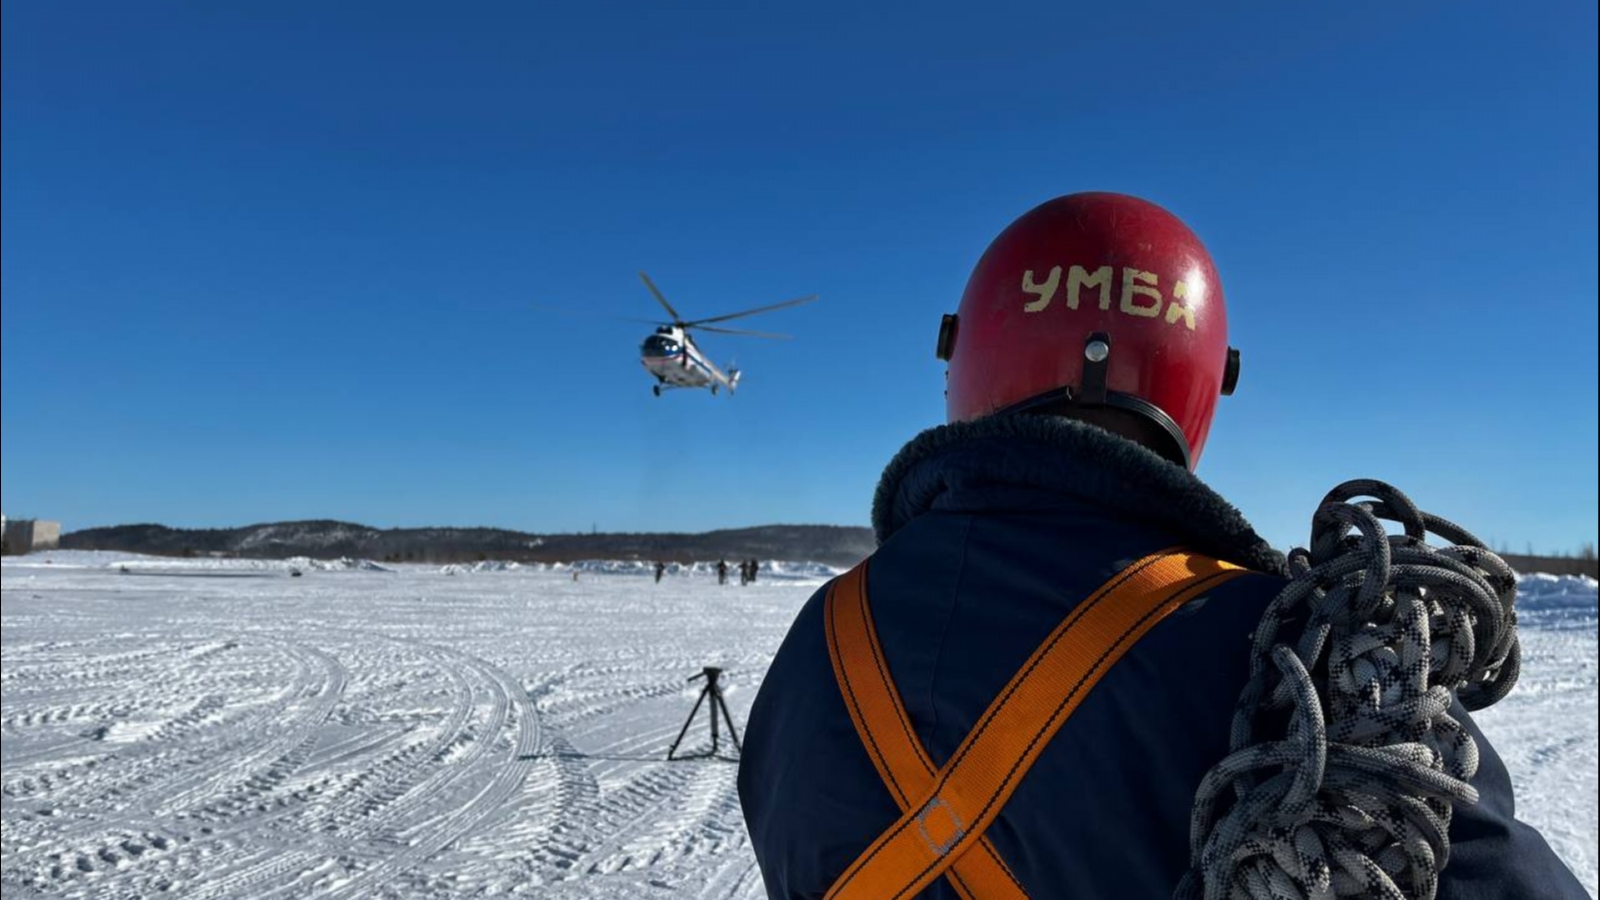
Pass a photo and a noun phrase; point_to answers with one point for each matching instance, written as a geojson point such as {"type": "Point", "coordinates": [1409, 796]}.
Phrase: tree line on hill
{"type": "Point", "coordinates": [1582, 564]}
{"type": "Point", "coordinates": [830, 544]}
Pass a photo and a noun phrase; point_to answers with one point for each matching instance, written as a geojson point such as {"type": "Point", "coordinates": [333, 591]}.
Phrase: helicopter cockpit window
{"type": "Point", "coordinates": [660, 345]}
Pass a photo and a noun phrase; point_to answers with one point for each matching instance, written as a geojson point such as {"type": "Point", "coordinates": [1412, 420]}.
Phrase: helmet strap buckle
{"type": "Point", "coordinates": [1096, 357]}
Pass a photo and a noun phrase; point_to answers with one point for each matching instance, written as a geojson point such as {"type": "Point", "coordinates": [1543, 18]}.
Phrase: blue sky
{"type": "Point", "coordinates": [279, 260]}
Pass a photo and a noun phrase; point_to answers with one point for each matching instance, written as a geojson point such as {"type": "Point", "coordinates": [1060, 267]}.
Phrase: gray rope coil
{"type": "Point", "coordinates": [1344, 761]}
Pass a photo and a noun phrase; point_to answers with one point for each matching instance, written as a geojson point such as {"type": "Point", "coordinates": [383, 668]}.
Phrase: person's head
{"type": "Point", "coordinates": [1098, 306]}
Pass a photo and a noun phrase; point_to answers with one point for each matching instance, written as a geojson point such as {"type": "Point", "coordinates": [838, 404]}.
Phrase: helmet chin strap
{"type": "Point", "coordinates": [1068, 401]}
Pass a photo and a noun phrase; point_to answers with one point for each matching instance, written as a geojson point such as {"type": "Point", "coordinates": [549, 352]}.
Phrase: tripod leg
{"type": "Point", "coordinates": [690, 721]}
{"type": "Point", "coordinates": [714, 695]}
{"type": "Point", "coordinates": [732, 732]}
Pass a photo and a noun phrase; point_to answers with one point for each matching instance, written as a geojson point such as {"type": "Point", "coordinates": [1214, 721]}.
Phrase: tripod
{"type": "Point", "coordinates": [714, 691]}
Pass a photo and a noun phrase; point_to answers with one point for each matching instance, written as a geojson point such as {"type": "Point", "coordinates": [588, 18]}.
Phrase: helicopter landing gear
{"type": "Point", "coordinates": [713, 390]}
{"type": "Point", "coordinates": [655, 389]}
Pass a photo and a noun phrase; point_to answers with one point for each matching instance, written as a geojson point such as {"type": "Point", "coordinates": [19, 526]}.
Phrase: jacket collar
{"type": "Point", "coordinates": [997, 461]}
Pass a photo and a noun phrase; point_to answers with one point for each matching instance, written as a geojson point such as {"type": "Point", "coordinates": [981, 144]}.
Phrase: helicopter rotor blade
{"type": "Point", "coordinates": [663, 300]}
{"type": "Point", "coordinates": [750, 312]}
{"type": "Point", "coordinates": [588, 314]}
{"type": "Point", "coordinates": [739, 331]}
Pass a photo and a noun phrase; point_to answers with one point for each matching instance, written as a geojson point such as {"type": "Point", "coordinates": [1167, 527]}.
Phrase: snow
{"type": "Point", "coordinates": [213, 728]}
{"type": "Point", "coordinates": [133, 562]}
{"type": "Point", "coordinates": [1548, 729]}
{"type": "Point", "coordinates": [492, 565]}
{"type": "Point", "coordinates": [265, 536]}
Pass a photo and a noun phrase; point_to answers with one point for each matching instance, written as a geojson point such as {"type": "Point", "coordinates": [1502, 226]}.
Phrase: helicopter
{"type": "Point", "coordinates": [671, 355]}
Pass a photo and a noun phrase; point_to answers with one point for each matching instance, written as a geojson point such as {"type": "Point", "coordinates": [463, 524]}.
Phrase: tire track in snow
{"type": "Point", "coordinates": [738, 879]}
{"type": "Point", "coordinates": [553, 833]}
{"type": "Point", "coordinates": [197, 787]}
{"type": "Point", "coordinates": [652, 813]}
{"type": "Point", "coordinates": [460, 823]}
{"type": "Point", "coordinates": [163, 791]}
{"type": "Point", "coordinates": [385, 838]}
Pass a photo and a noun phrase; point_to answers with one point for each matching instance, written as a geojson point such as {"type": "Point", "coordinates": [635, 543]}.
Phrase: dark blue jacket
{"type": "Point", "coordinates": [989, 533]}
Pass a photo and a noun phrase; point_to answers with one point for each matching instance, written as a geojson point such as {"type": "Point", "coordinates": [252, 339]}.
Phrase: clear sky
{"type": "Point", "coordinates": [278, 260]}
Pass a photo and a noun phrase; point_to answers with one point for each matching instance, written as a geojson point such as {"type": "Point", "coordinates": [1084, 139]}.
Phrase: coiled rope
{"type": "Point", "coordinates": [1344, 761]}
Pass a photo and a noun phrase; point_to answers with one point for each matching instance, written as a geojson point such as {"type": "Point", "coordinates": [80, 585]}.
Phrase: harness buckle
{"type": "Point", "coordinates": [957, 832]}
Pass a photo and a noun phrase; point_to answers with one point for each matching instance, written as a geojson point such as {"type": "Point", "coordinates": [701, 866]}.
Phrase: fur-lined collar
{"type": "Point", "coordinates": [1056, 455]}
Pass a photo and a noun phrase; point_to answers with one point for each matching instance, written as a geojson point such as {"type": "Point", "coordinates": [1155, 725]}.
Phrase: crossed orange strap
{"type": "Point", "coordinates": [944, 812]}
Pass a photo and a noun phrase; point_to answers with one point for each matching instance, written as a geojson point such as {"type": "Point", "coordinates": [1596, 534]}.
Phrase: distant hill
{"type": "Point", "coordinates": [1555, 565]}
{"type": "Point", "coordinates": [323, 538]}
{"type": "Point", "coordinates": [327, 539]}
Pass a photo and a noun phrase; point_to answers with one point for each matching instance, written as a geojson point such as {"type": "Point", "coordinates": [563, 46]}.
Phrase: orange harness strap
{"type": "Point", "coordinates": [945, 813]}
{"type": "Point", "coordinates": [885, 730]}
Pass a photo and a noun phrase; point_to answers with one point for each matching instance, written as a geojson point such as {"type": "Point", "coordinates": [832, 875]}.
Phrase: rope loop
{"type": "Point", "coordinates": [1344, 762]}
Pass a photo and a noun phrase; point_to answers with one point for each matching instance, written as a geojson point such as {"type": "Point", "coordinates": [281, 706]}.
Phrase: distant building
{"type": "Point", "coordinates": [28, 535]}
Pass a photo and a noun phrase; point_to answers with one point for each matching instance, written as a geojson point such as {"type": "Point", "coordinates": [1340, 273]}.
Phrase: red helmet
{"type": "Point", "coordinates": [1094, 300]}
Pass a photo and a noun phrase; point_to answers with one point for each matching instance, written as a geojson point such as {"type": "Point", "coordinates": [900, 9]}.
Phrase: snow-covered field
{"type": "Point", "coordinates": [221, 729]}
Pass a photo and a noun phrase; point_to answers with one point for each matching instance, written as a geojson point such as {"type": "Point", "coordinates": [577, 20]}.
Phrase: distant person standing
{"type": "Point", "coordinates": [661, 569]}
{"type": "Point", "coordinates": [754, 568]}
{"type": "Point", "coordinates": [722, 571]}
